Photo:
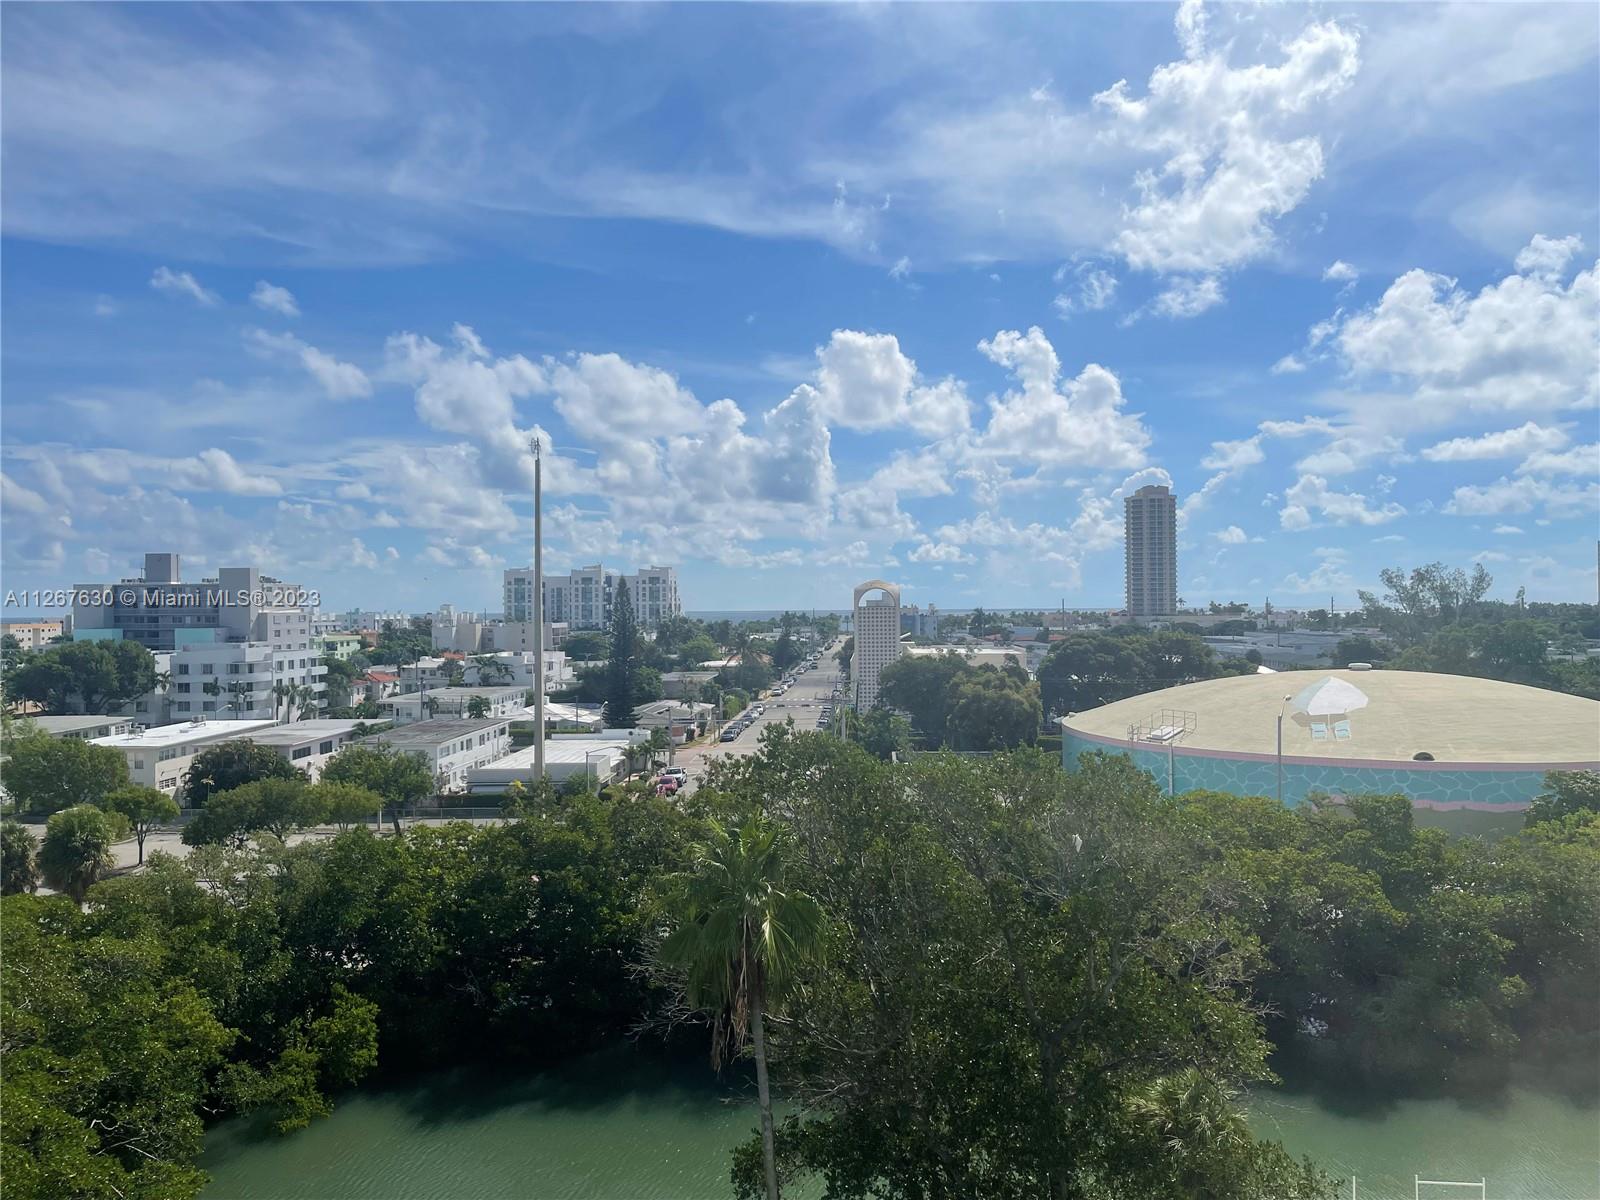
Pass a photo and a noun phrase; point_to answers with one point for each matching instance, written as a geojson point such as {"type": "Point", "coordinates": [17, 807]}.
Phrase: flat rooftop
{"type": "Point", "coordinates": [442, 729]}
{"type": "Point", "coordinates": [560, 752]}
{"type": "Point", "coordinates": [72, 724]}
{"type": "Point", "coordinates": [1455, 718]}
{"type": "Point", "coordinates": [177, 735]}
{"type": "Point", "coordinates": [304, 731]}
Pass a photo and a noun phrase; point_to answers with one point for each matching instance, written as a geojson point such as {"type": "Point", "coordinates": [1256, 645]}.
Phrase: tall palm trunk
{"type": "Point", "coordinates": [764, 1097]}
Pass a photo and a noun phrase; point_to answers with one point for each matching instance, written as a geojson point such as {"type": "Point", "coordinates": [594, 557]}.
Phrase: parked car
{"type": "Point", "coordinates": [729, 734]}
{"type": "Point", "coordinates": [681, 774]}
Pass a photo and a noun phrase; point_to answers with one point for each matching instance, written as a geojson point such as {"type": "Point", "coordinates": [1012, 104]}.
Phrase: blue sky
{"type": "Point", "coordinates": [798, 296]}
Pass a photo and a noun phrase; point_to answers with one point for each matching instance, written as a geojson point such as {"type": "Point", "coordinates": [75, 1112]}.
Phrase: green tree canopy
{"type": "Point", "coordinates": [89, 677]}
{"type": "Point", "coordinates": [1086, 670]}
{"type": "Point", "coordinates": [275, 806]}
{"type": "Point", "coordinates": [881, 733]}
{"type": "Point", "coordinates": [400, 778]}
{"type": "Point", "coordinates": [697, 650]}
{"type": "Point", "coordinates": [992, 710]}
{"type": "Point", "coordinates": [346, 804]}
{"type": "Point", "coordinates": [589, 645]}
{"type": "Point", "coordinates": [77, 850]}
{"type": "Point", "coordinates": [786, 652]}
{"type": "Point", "coordinates": [19, 867]}
{"type": "Point", "coordinates": [45, 774]}
{"type": "Point", "coordinates": [923, 686]}
{"type": "Point", "coordinates": [1566, 792]}
{"type": "Point", "coordinates": [108, 1060]}
{"type": "Point", "coordinates": [621, 679]}
{"type": "Point", "coordinates": [146, 809]}
{"type": "Point", "coordinates": [228, 765]}
{"type": "Point", "coordinates": [1017, 962]}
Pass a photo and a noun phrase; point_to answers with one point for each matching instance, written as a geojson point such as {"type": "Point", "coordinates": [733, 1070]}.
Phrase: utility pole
{"type": "Point", "coordinates": [538, 612]}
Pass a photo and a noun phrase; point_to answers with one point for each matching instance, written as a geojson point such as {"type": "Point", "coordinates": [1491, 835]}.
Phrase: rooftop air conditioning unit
{"type": "Point", "coordinates": [1360, 666]}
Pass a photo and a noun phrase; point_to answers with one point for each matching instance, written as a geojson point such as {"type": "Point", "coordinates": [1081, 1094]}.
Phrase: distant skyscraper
{"type": "Point", "coordinates": [1150, 537]}
{"type": "Point", "coordinates": [877, 634]}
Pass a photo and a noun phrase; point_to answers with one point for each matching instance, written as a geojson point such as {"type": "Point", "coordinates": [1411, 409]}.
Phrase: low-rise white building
{"type": "Point", "coordinates": [454, 702]}
{"type": "Point", "coordinates": [308, 744]}
{"type": "Point", "coordinates": [85, 729]}
{"type": "Point", "coordinates": [452, 747]}
{"type": "Point", "coordinates": [601, 760]}
{"type": "Point", "coordinates": [160, 757]}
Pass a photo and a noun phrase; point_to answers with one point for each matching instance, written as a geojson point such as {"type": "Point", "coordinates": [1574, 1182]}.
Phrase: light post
{"type": "Point", "coordinates": [1281, 707]}
{"type": "Point", "coordinates": [538, 612]}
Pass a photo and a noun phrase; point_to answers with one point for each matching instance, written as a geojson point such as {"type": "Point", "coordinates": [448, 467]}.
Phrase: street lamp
{"type": "Point", "coordinates": [1281, 707]}
{"type": "Point", "coordinates": [538, 613]}
{"type": "Point", "coordinates": [591, 774]}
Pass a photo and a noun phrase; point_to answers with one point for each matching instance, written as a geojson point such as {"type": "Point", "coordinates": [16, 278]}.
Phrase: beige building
{"type": "Point", "coordinates": [877, 633]}
{"type": "Point", "coordinates": [33, 634]}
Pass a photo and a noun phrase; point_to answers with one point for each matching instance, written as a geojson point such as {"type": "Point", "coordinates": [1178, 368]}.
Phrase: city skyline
{"type": "Point", "coordinates": [787, 327]}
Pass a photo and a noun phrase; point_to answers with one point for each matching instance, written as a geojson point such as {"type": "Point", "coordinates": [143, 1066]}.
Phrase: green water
{"type": "Point", "coordinates": [626, 1126]}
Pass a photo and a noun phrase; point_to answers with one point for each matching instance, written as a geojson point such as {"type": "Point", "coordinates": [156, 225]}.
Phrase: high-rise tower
{"type": "Point", "coordinates": [1150, 538]}
{"type": "Point", "coordinates": [877, 634]}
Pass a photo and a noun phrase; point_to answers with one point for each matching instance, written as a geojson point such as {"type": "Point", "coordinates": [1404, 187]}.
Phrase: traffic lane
{"type": "Point", "coordinates": [802, 703]}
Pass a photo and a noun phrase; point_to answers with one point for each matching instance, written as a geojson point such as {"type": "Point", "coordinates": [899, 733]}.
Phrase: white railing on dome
{"type": "Point", "coordinates": [1164, 726]}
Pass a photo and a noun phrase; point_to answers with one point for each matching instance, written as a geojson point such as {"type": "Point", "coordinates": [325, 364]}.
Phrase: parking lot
{"type": "Point", "coordinates": [802, 703]}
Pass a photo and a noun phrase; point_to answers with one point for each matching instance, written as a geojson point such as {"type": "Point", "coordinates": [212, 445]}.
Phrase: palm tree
{"type": "Point", "coordinates": [281, 692]}
{"type": "Point", "coordinates": [1197, 1123]}
{"type": "Point", "coordinates": [739, 939]}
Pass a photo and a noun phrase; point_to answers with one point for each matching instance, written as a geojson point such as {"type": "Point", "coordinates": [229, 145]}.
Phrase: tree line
{"type": "Point", "coordinates": [973, 976]}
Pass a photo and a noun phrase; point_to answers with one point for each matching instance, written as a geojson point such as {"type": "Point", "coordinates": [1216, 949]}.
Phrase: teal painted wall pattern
{"type": "Point", "coordinates": [1440, 786]}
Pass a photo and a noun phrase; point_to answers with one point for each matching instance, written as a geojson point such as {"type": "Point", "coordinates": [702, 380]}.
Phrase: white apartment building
{"type": "Point", "coordinates": [452, 747]}
{"type": "Point", "coordinates": [1150, 547]}
{"type": "Point", "coordinates": [460, 632]}
{"type": "Point", "coordinates": [407, 708]}
{"type": "Point", "coordinates": [235, 680]}
{"type": "Point", "coordinates": [877, 633]}
{"type": "Point", "coordinates": [583, 598]}
{"type": "Point", "coordinates": [307, 744]}
{"type": "Point", "coordinates": [160, 757]}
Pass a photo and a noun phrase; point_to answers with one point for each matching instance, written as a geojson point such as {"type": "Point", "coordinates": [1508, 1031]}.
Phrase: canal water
{"type": "Point", "coordinates": [629, 1126]}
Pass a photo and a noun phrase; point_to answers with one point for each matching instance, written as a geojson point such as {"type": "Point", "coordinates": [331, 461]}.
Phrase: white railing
{"type": "Point", "coordinates": [1418, 1183]}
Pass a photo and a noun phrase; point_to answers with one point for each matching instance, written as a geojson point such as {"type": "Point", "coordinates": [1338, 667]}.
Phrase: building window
{"type": "Point", "coordinates": [301, 752]}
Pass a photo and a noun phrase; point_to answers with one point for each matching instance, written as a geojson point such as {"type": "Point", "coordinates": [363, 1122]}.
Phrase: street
{"type": "Point", "coordinates": [802, 703]}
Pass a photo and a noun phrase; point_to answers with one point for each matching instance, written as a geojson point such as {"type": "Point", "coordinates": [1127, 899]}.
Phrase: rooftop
{"type": "Point", "coordinates": [438, 731]}
{"type": "Point", "coordinates": [586, 750]}
{"type": "Point", "coordinates": [73, 724]}
{"type": "Point", "coordinates": [1455, 718]}
{"type": "Point", "coordinates": [460, 693]}
{"type": "Point", "coordinates": [177, 735]}
{"type": "Point", "coordinates": [304, 731]}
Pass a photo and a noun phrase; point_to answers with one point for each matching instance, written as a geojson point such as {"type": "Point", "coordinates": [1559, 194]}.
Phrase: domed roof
{"type": "Point", "coordinates": [1452, 718]}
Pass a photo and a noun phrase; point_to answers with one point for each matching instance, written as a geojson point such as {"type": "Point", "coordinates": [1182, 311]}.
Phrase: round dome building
{"type": "Point", "coordinates": [1449, 742]}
